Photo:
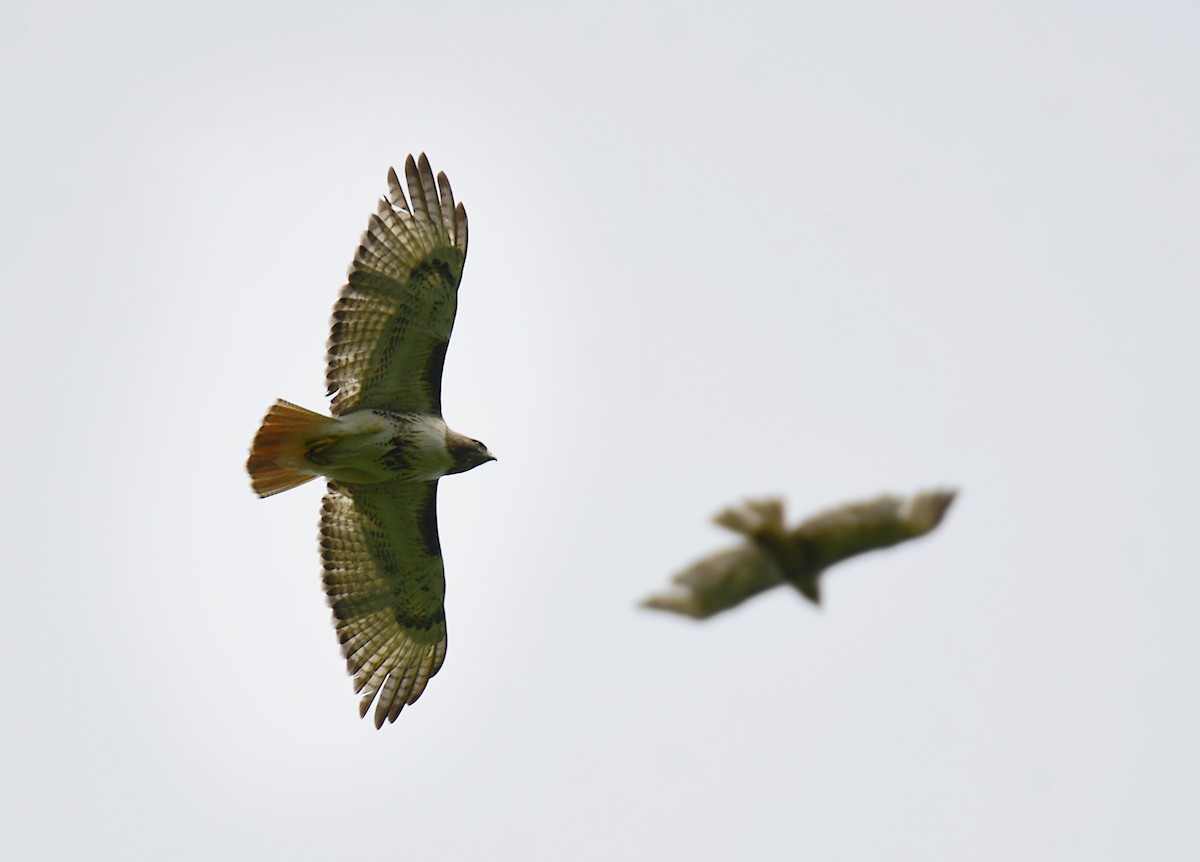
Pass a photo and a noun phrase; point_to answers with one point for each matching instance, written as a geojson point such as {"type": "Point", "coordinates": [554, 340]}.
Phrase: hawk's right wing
{"type": "Point", "coordinates": [718, 582]}
{"type": "Point", "coordinates": [391, 325]}
{"type": "Point", "coordinates": [384, 580]}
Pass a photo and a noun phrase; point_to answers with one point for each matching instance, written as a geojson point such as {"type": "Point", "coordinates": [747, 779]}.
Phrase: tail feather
{"type": "Point", "coordinates": [278, 448]}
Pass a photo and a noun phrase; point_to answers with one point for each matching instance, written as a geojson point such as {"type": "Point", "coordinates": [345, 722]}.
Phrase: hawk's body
{"type": "Point", "coordinates": [386, 445]}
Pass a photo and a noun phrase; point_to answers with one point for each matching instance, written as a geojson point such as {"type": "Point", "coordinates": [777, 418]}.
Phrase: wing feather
{"type": "Point", "coordinates": [423, 191]}
{"type": "Point", "coordinates": [449, 215]}
{"type": "Point", "coordinates": [393, 319]}
{"type": "Point", "coordinates": [385, 583]}
{"type": "Point", "coordinates": [397, 191]}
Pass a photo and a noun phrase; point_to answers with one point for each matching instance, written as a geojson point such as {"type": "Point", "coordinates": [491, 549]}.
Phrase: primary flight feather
{"type": "Point", "coordinates": [386, 445]}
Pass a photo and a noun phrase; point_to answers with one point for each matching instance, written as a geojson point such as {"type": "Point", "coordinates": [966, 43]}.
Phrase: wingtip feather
{"type": "Point", "coordinates": [396, 192]}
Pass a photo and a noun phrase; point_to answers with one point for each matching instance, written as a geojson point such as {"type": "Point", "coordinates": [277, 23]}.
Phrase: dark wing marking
{"type": "Point", "coordinates": [384, 580]}
{"type": "Point", "coordinates": [393, 319]}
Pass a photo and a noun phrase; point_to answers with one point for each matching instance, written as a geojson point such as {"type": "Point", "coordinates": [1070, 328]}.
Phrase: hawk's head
{"type": "Point", "coordinates": [466, 452]}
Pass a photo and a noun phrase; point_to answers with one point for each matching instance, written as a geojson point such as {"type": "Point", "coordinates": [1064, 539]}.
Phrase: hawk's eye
{"type": "Point", "coordinates": [479, 444]}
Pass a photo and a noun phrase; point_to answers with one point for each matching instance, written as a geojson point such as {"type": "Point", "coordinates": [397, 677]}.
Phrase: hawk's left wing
{"type": "Point", "coordinates": [391, 324]}
{"type": "Point", "coordinates": [384, 580]}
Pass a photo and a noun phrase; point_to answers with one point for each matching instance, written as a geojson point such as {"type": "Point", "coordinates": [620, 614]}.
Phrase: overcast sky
{"type": "Point", "coordinates": [717, 250]}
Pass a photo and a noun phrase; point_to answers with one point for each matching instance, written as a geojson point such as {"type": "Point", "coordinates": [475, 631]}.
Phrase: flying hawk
{"type": "Point", "coordinates": [386, 445]}
{"type": "Point", "coordinates": [771, 554]}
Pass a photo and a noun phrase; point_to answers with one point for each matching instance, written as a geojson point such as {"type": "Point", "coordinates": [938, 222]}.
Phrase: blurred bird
{"type": "Point", "coordinates": [386, 445]}
{"type": "Point", "coordinates": [773, 555]}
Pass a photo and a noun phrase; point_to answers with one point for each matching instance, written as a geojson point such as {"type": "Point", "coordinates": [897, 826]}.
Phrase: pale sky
{"type": "Point", "coordinates": [816, 250]}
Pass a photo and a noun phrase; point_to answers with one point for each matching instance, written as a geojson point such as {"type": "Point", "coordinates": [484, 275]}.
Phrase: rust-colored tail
{"type": "Point", "coordinates": [278, 448]}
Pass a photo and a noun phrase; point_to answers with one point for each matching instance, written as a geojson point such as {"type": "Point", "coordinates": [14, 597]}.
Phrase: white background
{"type": "Point", "coordinates": [717, 250]}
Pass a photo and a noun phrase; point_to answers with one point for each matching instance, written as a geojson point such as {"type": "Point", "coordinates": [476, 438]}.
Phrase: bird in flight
{"type": "Point", "coordinates": [771, 554]}
{"type": "Point", "coordinates": [386, 445]}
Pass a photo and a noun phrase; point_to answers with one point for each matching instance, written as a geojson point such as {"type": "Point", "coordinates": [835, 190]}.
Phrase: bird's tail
{"type": "Point", "coordinates": [277, 453]}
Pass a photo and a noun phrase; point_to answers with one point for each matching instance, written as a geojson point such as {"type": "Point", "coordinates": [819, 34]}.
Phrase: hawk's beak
{"type": "Point", "coordinates": [490, 457]}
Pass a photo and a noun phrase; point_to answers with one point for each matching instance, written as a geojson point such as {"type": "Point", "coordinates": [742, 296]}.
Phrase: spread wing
{"type": "Point", "coordinates": [718, 582]}
{"type": "Point", "coordinates": [384, 580]}
{"type": "Point", "coordinates": [392, 322]}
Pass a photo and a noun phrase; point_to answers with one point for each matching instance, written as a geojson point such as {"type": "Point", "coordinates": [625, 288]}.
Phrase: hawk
{"type": "Point", "coordinates": [386, 445]}
{"type": "Point", "coordinates": [771, 554]}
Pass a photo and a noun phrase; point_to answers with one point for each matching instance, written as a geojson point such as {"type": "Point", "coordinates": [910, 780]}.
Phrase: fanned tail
{"type": "Point", "coordinates": [278, 448]}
